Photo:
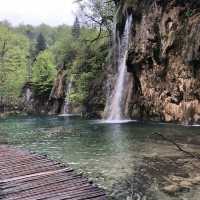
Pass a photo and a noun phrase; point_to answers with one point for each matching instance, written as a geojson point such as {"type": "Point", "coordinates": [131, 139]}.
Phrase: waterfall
{"type": "Point", "coordinates": [117, 100]}
{"type": "Point", "coordinates": [67, 108]}
{"type": "Point", "coordinates": [28, 94]}
{"type": "Point", "coordinates": [66, 104]}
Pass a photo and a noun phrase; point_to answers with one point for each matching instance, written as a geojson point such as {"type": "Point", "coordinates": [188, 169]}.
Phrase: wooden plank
{"type": "Point", "coordinates": [42, 177]}
{"type": "Point", "coordinates": [28, 176]}
{"type": "Point", "coordinates": [34, 175]}
{"type": "Point", "coordinates": [38, 184]}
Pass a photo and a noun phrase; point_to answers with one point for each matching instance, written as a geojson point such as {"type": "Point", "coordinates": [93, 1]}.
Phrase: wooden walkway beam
{"type": "Point", "coordinates": [28, 176]}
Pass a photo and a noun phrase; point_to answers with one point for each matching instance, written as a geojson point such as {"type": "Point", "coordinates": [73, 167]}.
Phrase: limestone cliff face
{"type": "Point", "coordinates": [57, 96]}
{"type": "Point", "coordinates": [33, 103]}
{"type": "Point", "coordinates": [164, 59]}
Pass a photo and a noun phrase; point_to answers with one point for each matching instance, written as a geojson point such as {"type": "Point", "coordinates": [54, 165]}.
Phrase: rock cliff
{"type": "Point", "coordinates": [164, 59]}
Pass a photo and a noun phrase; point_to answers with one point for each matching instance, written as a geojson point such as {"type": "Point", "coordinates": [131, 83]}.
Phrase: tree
{"type": "Point", "coordinates": [76, 28]}
{"type": "Point", "coordinates": [43, 68]}
{"type": "Point", "coordinates": [43, 73]}
{"type": "Point", "coordinates": [41, 44]}
{"type": "Point", "coordinates": [13, 61]}
{"type": "Point", "coordinates": [98, 14]}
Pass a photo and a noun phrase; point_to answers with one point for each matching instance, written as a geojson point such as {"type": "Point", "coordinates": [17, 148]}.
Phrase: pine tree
{"type": "Point", "coordinates": [76, 28]}
{"type": "Point", "coordinates": [41, 44]}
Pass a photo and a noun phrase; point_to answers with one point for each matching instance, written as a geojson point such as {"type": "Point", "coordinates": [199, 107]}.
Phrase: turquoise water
{"type": "Point", "coordinates": [104, 152]}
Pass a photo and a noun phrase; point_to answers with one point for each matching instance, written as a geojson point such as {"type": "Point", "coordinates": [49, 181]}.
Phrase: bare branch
{"type": "Point", "coordinates": [194, 155]}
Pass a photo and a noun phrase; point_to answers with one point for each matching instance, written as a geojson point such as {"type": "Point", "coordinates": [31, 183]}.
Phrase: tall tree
{"type": "Point", "coordinates": [97, 14]}
{"type": "Point", "coordinates": [41, 44]}
{"type": "Point", "coordinates": [76, 28]}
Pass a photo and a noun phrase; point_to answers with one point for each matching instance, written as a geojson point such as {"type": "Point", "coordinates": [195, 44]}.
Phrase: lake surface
{"type": "Point", "coordinates": [105, 152]}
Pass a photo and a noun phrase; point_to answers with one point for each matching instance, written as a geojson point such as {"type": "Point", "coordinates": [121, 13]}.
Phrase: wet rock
{"type": "Point", "coordinates": [178, 184]}
{"type": "Point", "coordinates": [164, 60]}
{"type": "Point", "coordinates": [33, 103]}
{"type": "Point", "coordinates": [171, 189]}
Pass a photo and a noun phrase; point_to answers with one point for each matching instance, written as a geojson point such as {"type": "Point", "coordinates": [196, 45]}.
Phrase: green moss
{"type": "Point", "coordinates": [189, 13]}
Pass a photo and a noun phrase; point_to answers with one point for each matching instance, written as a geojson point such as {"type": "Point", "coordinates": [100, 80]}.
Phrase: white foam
{"type": "Point", "coordinates": [192, 125]}
{"type": "Point", "coordinates": [69, 115]}
{"type": "Point", "coordinates": [114, 121]}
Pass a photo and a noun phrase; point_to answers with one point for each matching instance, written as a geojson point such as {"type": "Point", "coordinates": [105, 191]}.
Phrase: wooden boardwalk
{"type": "Point", "coordinates": [28, 176]}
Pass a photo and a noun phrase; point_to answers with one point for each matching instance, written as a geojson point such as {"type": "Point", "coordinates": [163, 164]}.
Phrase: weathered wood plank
{"type": "Point", "coordinates": [28, 176]}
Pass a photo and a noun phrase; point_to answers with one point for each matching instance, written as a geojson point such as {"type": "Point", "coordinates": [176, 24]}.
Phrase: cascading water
{"type": "Point", "coordinates": [66, 109]}
{"type": "Point", "coordinates": [117, 100]}
{"type": "Point", "coordinates": [66, 105]}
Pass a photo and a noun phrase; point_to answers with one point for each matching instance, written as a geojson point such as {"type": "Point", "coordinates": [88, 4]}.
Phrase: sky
{"type": "Point", "coordinates": [35, 12]}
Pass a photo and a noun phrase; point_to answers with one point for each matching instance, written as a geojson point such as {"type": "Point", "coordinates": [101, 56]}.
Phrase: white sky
{"type": "Point", "coordinates": [35, 12]}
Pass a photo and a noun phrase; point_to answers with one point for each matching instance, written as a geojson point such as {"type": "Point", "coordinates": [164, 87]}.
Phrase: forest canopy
{"type": "Point", "coordinates": [32, 54]}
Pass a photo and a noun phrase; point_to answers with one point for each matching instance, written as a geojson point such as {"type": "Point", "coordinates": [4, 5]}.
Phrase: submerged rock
{"type": "Point", "coordinates": [168, 175]}
{"type": "Point", "coordinates": [159, 178]}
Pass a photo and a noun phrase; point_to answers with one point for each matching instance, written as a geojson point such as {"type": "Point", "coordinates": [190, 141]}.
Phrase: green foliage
{"type": "Point", "coordinates": [42, 89]}
{"type": "Point", "coordinates": [86, 66]}
{"type": "Point", "coordinates": [13, 61]}
{"type": "Point", "coordinates": [44, 73]}
{"type": "Point", "coordinates": [83, 60]}
{"type": "Point", "coordinates": [44, 68]}
{"type": "Point", "coordinates": [97, 13]}
{"type": "Point", "coordinates": [82, 84]}
{"type": "Point", "coordinates": [35, 51]}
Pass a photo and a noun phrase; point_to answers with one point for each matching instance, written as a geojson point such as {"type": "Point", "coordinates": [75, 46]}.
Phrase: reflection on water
{"type": "Point", "coordinates": [104, 151]}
